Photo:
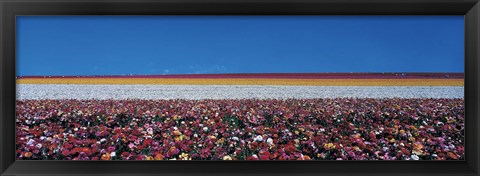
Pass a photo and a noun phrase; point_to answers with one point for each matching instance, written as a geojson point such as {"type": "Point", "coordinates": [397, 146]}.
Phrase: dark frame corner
{"type": "Point", "coordinates": [11, 8]}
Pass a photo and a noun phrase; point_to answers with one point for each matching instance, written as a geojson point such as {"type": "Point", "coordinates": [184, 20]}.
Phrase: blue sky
{"type": "Point", "coordinates": [118, 45]}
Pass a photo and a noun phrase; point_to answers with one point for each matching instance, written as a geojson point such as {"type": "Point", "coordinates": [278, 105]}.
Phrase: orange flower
{"type": "Point", "coordinates": [158, 157]}
{"type": "Point", "coordinates": [106, 156]}
{"type": "Point", "coordinates": [28, 154]}
{"type": "Point", "coordinates": [221, 141]}
{"type": "Point", "coordinates": [176, 133]}
{"type": "Point", "coordinates": [418, 146]}
{"type": "Point", "coordinates": [149, 158]}
{"type": "Point", "coordinates": [452, 156]}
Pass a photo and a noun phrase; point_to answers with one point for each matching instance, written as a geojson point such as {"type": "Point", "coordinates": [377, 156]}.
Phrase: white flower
{"type": "Point", "coordinates": [183, 123]}
{"type": "Point", "coordinates": [270, 141]}
{"type": "Point", "coordinates": [205, 129]}
{"type": "Point", "coordinates": [175, 128]}
{"type": "Point", "coordinates": [415, 157]}
{"type": "Point", "coordinates": [259, 138]}
{"type": "Point", "coordinates": [235, 138]}
{"type": "Point", "coordinates": [112, 154]}
{"type": "Point", "coordinates": [30, 142]}
{"type": "Point", "coordinates": [150, 131]}
{"type": "Point", "coordinates": [385, 149]}
{"type": "Point", "coordinates": [103, 140]}
{"type": "Point", "coordinates": [75, 129]}
{"type": "Point", "coordinates": [38, 146]}
{"type": "Point", "coordinates": [226, 157]}
{"type": "Point", "coordinates": [201, 125]}
{"type": "Point", "coordinates": [195, 135]}
{"type": "Point", "coordinates": [322, 129]}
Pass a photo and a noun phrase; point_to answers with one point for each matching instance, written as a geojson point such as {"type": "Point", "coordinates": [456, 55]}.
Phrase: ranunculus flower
{"type": "Point", "coordinates": [106, 156]}
{"type": "Point", "coordinates": [159, 156]}
{"type": "Point", "coordinates": [27, 154]}
{"type": "Point", "coordinates": [226, 157]}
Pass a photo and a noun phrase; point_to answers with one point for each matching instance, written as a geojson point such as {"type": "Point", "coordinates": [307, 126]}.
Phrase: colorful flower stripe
{"type": "Point", "coordinates": [247, 81]}
{"type": "Point", "coordinates": [284, 76]}
{"type": "Point", "coordinates": [250, 129]}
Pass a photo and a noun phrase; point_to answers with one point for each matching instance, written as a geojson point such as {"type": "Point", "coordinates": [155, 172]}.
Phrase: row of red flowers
{"type": "Point", "coordinates": [248, 129]}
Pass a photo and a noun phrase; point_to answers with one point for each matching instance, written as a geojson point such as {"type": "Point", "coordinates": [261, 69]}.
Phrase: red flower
{"type": "Point", "coordinates": [65, 152]}
{"type": "Point", "coordinates": [125, 154]}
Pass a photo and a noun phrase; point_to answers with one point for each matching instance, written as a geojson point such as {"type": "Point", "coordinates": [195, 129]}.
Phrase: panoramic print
{"type": "Point", "coordinates": [240, 88]}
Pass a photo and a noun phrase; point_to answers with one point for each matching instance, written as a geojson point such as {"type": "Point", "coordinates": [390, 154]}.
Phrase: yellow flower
{"type": "Point", "coordinates": [329, 146]}
{"type": "Point", "coordinates": [297, 132]}
{"type": "Point", "coordinates": [149, 158]}
{"type": "Point", "coordinates": [411, 139]}
{"type": "Point", "coordinates": [356, 135]}
{"type": "Point", "coordinates": [184, 156]}
{"type": "Point", "coordinates": [226, 157]}
{"type": "Point", "coordinates": [175, 117]}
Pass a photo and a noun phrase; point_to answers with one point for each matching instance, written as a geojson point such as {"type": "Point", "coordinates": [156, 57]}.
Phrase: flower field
{"type": "Point", "coordinates": [293, 129]}
{"type": "Point", "coordinates": [238, 117]}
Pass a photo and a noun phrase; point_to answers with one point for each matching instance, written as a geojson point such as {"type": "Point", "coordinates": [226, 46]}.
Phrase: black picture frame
{"type": "Point", "coordinates": [11, 8]}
